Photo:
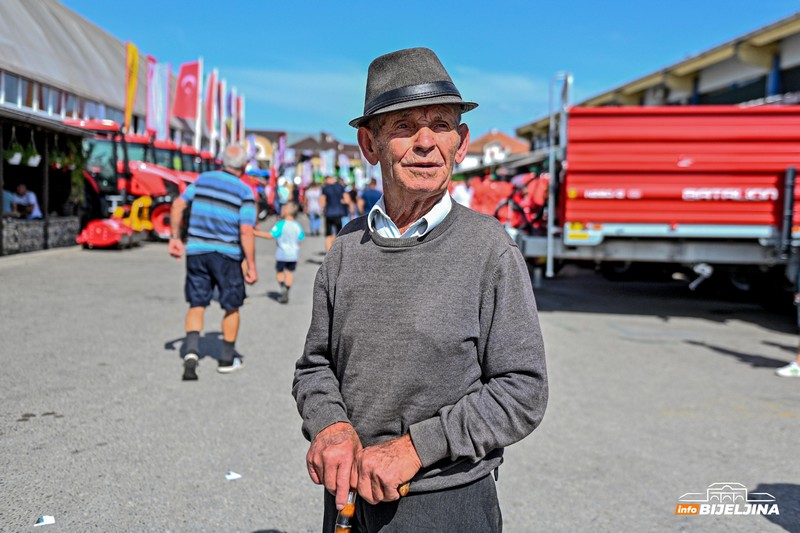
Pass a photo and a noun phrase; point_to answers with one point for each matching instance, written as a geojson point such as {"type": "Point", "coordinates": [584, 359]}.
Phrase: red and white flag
{"type": "Point", "coordinates": [211, 97]}
{"type": "Point", "coordinates": [187, 91]}
{"type": "Point", "coordinates": [223, 127]}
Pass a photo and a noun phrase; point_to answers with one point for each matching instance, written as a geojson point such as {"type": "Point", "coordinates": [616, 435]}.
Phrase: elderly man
{"type": "Point", "coordinates": [221, 222]}
{"type": "Point", "coordinates": [424, 357]}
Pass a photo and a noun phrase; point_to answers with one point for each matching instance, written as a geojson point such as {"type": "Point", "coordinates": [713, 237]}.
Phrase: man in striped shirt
{"type": "Point", "coordinates": [221, 223]}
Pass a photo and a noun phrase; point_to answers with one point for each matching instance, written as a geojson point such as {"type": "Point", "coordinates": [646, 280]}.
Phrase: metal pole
{"type": "Point", "coordinates": [566, 78]}
{"type": "Point", "coordinates": [785, 242]}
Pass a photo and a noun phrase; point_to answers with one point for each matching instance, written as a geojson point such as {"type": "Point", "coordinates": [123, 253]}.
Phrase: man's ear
{"type": "Point", "coordinates": [368, 145]}
{"type": "Point", "coordinates": [463, 132]}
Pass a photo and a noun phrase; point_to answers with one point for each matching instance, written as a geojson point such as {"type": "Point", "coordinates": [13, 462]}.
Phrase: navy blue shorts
{"type": "Point", "coordinates": [205, 272]}
{"type": "Point", "coordinates": [280, 266]}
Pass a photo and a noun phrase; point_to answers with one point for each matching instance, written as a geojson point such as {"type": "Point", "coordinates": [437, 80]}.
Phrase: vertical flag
{"type": "Point", "coordinates": [223, 126]}
{"type": "Point", "coordinates": [344, 167]}
{"type": "Point", "coordinates": [198, 124]}
{"type": "Point", "coordinates": [240, 107]}
{"type": "Point", "coordinates": [157, 119]}
{"type": "Point", "coordinates": [131, 77]}
{"type": "Point", "coordinates": [152, 97]}
{"type": "Point", "coordinates": [232, 127]}
{"type": "Point", "coordinates": [280, 155]}
{"type": "Point", "coordinates": [211, 110]}
{"type": "Point", "coordinates": [187, 91]}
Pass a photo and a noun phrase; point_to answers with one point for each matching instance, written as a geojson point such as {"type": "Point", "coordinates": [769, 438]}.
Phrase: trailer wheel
{"type": "Point", "coordinates": [159, 216]}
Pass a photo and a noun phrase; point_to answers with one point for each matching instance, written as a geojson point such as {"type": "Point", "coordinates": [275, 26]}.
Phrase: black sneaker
{"type": "Point", "coordinates": [226, 367]}
{"type": "Point", "coordinates": [284, 298]}
{"type": "Point", "coordinates": [190, 367]}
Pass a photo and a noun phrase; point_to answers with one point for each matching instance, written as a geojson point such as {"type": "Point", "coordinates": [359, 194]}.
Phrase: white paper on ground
{"type": "Point", "coordinates": [231, 475]}
{"type": "Point", "coordinates": [45, 520]}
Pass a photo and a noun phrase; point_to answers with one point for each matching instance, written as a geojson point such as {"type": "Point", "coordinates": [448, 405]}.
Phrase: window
{"type": "Point", "coordinates": [70, 105]}
{"type": "Point", "coordinates": [12, 88]}
{"type": "Point", "coordinates": [56, 101]}
{"type": "Point", "coordinates": [89, 110]}
{"type": "Point", "coordinates": [26, 92]}
{"type": "Point", "coordinates": [44, 98]}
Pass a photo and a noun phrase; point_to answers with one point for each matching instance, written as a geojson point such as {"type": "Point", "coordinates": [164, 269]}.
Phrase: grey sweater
{"type": "Point", "coordinates": [435, 336]}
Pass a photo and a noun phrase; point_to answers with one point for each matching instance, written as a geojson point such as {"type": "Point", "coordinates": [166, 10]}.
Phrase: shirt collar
{"type": "Point", "coordinates": [378, 221]}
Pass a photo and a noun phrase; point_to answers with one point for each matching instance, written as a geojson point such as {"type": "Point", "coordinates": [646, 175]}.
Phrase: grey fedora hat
{"type": "Point", "coordinates": [408, 78]}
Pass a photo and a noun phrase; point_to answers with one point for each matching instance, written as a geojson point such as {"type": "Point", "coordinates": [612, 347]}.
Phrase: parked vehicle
{"type": "Point", "coordinates": [121, 168]}
{"type": "Point", "coordinates": [697, 189]}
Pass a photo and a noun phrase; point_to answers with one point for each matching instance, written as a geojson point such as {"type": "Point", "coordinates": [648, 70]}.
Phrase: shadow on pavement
{"type": "Point", "coordinates": [784, 347]}
{"type": "Point", "coordinates": [274, 295]}
{"type": "Point", "coordinates": [756, 361]}
{"type": "Point", "coordinates": [787, 496]}
{"type": "Point", "coordinates": [583, 291]}
{"type": "Point", "coordinates": [269, 531]}
{"type": "Point", "coordinates": [210, 345]}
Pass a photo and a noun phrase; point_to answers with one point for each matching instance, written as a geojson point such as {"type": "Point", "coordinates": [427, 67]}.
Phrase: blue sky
{"type": "Point", "coordinates": [302, 65]}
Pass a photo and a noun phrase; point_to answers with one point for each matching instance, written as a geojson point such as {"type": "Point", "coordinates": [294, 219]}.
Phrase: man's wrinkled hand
{"type": "Point", "coordinates": [176, 248]}
{"type": "Point", "coordinates": [381, 469]}
{"type": "Point", "coordinates": [331, 457]}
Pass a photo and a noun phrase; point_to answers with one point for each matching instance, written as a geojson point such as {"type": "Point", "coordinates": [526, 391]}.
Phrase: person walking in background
{"type": "Point", "coordinates": [405, 376]}
{"type": "Point", "coordinates": [313, 208]}
{"type": "Point", "coordinates": [287, 234]}
{"type": "Point", "coordinates": [369, 197]}
{"type": "Point", "coordinates": [334, 202]}
{"type": "Point", "coordinates": [221, 222]}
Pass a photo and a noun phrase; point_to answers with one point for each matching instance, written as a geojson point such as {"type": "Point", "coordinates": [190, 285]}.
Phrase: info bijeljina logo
{"type": "Point", "coordinates": [727, 499]}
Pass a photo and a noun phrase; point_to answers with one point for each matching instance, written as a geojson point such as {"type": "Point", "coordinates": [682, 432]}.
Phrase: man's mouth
{"type": "Point", "coordinates": [422, 164]}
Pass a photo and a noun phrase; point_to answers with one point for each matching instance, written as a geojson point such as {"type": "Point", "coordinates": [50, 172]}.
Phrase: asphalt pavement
{"type": "Point", "coordinates": [656, 392]}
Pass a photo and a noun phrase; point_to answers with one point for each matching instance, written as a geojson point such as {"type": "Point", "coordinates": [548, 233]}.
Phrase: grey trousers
{"type": "Point", "coordinates": [473, 508]}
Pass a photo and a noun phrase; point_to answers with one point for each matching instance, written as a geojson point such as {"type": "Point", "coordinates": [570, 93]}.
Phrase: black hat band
{"type": "Point", "coordinates": [412, 92]}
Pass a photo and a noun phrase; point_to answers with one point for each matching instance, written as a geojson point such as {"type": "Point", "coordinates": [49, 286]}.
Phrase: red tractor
{"type": "Point", "coordinates": [120, 168]}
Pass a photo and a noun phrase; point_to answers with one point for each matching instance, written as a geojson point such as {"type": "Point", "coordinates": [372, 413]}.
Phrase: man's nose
{"type": "Point", "coordinates": [425, 139]}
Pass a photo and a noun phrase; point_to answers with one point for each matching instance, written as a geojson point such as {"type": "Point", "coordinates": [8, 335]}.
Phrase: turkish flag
{"type": "Point", "coordinates": [187, 91]}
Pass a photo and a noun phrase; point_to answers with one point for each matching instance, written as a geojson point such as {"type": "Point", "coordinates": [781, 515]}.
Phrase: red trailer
{"type": "Point", "coordinates": [700, 187]}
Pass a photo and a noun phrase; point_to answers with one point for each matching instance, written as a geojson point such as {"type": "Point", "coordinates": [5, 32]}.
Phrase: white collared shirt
{"type": "Point", "coordinates": [379, 221]}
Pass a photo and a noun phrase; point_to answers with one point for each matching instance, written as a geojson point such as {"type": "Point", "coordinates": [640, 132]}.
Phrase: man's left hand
{"type": "Point", "coordinates": [381, 469]}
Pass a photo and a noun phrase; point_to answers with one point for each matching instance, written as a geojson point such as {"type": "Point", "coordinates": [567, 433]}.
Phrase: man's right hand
{"type": "Point", "coordinates": [176, 248]}
{"type": "Point", "coordinates": [251, 274]}
{"type": "Point", "coordinates": [330, 459]}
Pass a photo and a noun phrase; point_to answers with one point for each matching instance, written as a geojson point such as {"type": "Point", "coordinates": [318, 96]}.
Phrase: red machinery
{"type": "Point", "coordinates": [699, 187]}
{"type": "Point", "coordinates": [119, 169]}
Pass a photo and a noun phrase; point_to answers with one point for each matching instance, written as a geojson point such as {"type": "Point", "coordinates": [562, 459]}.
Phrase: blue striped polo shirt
{"type": "Point", "coordinates": [221, 202]}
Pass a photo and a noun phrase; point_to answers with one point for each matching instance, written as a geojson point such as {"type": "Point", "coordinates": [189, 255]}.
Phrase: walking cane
{"type": "Point", "coordinates": [344, 520]}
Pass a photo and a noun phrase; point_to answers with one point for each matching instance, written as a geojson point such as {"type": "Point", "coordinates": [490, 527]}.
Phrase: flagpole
{"type": "Point", "coordinates": [198, 127]}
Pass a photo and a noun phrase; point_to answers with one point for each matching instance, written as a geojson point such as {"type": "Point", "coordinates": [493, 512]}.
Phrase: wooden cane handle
{"type": "Point", "coordinates": [403, 490]}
